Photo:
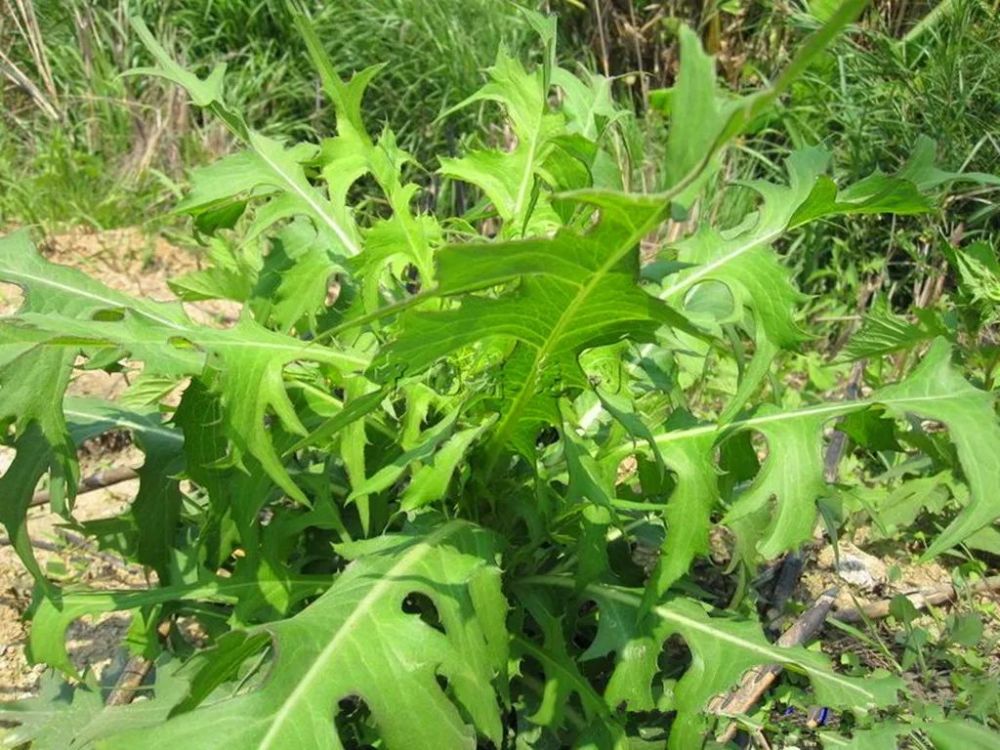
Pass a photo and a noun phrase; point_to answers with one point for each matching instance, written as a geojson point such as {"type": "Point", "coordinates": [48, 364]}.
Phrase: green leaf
{"type": "Point", "coordinates": [883, 737]}
{"type": "Point", "coordinates": [742, 258]}
{"type": "Point", "coordinates": [328, 652]}
{"type": "Point", "coordinates": [563, 679]}
{"type": "Point", "coordinates": [688, 512]}
{"type": "Point", "coordinates": [791, 479]}
{"type": "Point", "coordinates": [54, 615]}
{"type": "Point", "coordinates": [883, 332]}
{"type": "Point", "coordinates": [792, 474]}
{"type": "Point", "coordinates": [588, 481]}
{"type": "Point", "coordinates": [267, 167]}
{"type": "Point", "coordinates": [64, 716]}
{"type": "Point", "coordinates": [34, 376]}
{"type": "Point", "coordinates": [822, 10]}
{"type": "Point", "coordinates": [248, 360]}
{"type": "Point", "coordinates": [959, 734]}
{"type": "Point", "coordinates": [872, 430]}
{"type": "Point", "coordinates": [876, 194]}
{"type": "Point", "coordinates": [231, 275]}
{"type": "Point", "coordinates": [979, 271]}
{"type": "Point", "coordinates": [157, 506]}
{"type": "Point", "coordinates": [588, 103]}
{"type": "Point", "coordinates": [950, 734]}
{"type": "Point", "coordinates": [509, 178]}
{"type": "Point", "coordinates": [429, 440]}
{"type": "Point", "coordinates": [700, 115]}
{"type": "Point", "coordinates": [934, 390]}
{"type": "Point", "coordinates": [921, 170]}
{"type": "Point", "coordinates": [33, 458]}
{"type": "Point", "coordinates": [352, 152]}
{"type": "Point", "coordinates": [575, 291]}
{"type": "Point", "coordinates": [987, 539]}
{"type": "Point", "coordinates": [903, 506]}
{"type": "Point", "coordinates": [430, 482]}
{"type": "Point", "coordinates": [52, 719]}
{"type": "Point", "coordinates": [705, 121]}
{"type": "Point", "coordinates": [310, 606]}
{"type": "Point", "coordinates": [294, 280]}
{"type": "Point", "coordinates": [722, 648]}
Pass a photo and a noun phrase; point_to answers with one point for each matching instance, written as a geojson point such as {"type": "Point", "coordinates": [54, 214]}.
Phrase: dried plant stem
{"type": "Point", "coordinates": [919, 599]}
{"type": "Point", "coordinates": [599, 17]}
{"type": "Point", "coordinates": [96, 481]}
{"type": "Point", "coordinates": [757, 681]}
{"type": "Point", "coordinates": [131, 678]}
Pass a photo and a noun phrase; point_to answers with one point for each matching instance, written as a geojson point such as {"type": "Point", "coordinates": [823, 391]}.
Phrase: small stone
{"type": "Point", "coordinates": [855, 566]}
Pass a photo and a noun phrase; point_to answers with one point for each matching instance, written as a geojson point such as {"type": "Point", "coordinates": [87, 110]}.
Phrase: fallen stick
{"type": "Point", "coordinates": [757, 681]}
{"type": "Point", "coordinates": [97, 481]}
{"type": "Point", "coordinates": [919, 599]}
{"type": "Point", "coordinates": [129, 681]}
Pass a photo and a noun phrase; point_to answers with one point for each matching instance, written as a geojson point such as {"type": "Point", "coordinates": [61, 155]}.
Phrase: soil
{"type": "Point", "coordinates": [132, 262]}
{"type": "Point", "coordinates": [93, 645]}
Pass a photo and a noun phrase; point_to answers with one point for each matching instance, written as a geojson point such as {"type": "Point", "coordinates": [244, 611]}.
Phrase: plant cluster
{"type": "Point", "coordinates": [464, 481]}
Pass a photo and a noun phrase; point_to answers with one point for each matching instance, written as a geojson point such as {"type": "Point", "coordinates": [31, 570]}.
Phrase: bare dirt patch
{"type": "Point", "coordinates": [93, 645]}
{"type": "Point", "coordinates": [140, 265]}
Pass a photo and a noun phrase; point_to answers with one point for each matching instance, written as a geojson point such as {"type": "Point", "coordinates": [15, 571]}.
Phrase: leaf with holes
{"type": "Point", "coordinates": [327, 653]}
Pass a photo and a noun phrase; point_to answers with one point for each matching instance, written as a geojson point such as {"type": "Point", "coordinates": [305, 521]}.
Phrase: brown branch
{"type": "Point", "coordinates": [757, 681]}
{"type": "Point", "coordinates": [129, 681]}
{"type": "Point", "coordinates": [135, 672]}
{"type": "Point", "coordinates": [788, 578]}
{"type": "Point", "coordinates": [919, 599]}
{"type": "Point", "coordinates": [97, 481]}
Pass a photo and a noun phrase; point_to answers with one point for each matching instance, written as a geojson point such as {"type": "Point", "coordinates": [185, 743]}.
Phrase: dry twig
{"type": "Point", "coordinates": [97, 481]}
{"type": "Point", "coordinates": [919, 599]}
{"type": "Point", "coordinates": [129, 681]}
{"type": "Point", "coordinates": [757, 681]}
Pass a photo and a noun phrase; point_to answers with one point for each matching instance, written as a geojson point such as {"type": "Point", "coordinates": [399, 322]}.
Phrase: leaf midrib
{"type": "Point", "coordinates": [768, 653]}
{"type": "Point", "coordinates": [520, 401]}
{"type": "Point", "coordinates": [832, 410]}
{"type": "Point", "coordinates": [290, 184]}
{"type": "Point", "coordinates": [707, 269]}
{"type": "Point", "coordinates": [529, 171]}
{"type": "Point", "coordinates": [29, 278]}
{"type": "Point", "coordinates": [304, 351]}
{"type": "Point", "coordinates": [148, 429]}
{"type": "Point", "coordinates": [319, 666]}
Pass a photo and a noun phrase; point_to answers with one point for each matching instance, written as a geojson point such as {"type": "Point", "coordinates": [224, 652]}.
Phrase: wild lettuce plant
{"type": "Point", "coordinates": [402, 496]}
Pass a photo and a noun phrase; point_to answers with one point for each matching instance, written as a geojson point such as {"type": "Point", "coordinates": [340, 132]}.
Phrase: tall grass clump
{"type": "Point", "coordinates": [878, 94]}
{"type": "Point", "coordinates": [79, 143]}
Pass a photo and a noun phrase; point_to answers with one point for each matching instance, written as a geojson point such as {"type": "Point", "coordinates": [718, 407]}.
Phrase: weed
{"type": "Point", "coordinates": [463, 480]}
